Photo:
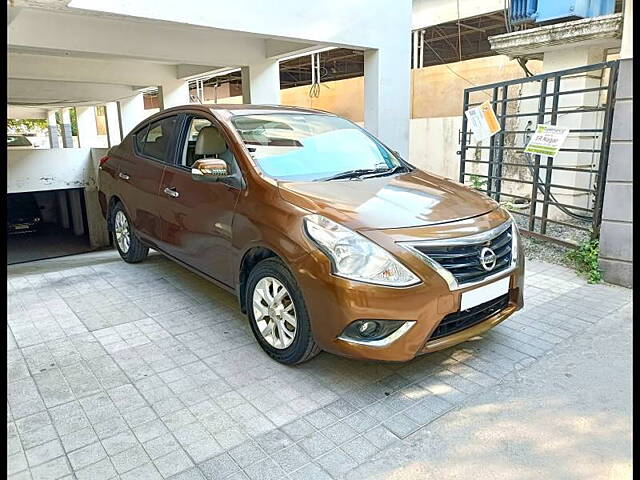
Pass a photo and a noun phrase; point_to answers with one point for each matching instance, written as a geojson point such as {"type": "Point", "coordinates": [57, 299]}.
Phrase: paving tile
{"type": "Point", "coordinates": [102, 470]}
{"type": "Point", "coordinates": [204, 449]}
{"type": "Point", "coordinates": [53, 469]}
{"type": "Point", "coordinates": [150, 430]}
{"type": "Point", "coordinates": [44, 453]}
{"type": "Point", "coordinates": [147, 471]}
{"type": "Point", "coordinates": [247, 453]}
{"type": "Point", "coordinates": [316, 444]}
{"type": "Point", "coordinates": [35, 430]}
{"type": "Point", "coordinates": [336, 462]}
{"type": "Point", "coordinates": [16, 463]}
{"type": "Point", "coordinates": [359, 449]}
{"type": "Point", "coordinates": [381, 437]}
{"type": "Point", "coordinates": [86, 455]}
{"type": "Point", "coordinates": [161, 446]}
{"type": "Point", "coordinates": [310, 471]}
{"type": "Point", "coordinates": [191, 474]}
{"type": "Point", "coordinates": [130, 459]}
{"type": "Point", "coordinates": [218, 467]}
{"type": "Point", "coordinates": [266, 469]}
{"type": "Point", "coordinates": [291, 458]}
{"type": "Point", "coordinates": [173, 463]}
{"type": "Point", "coordinates": [273, 441]}
{"type": "Point", "coordinates": [78, 439]}
{"type": "Point", "coordinates": [321, 418]}
{"type": "Point", "coordinates": [298, 429]}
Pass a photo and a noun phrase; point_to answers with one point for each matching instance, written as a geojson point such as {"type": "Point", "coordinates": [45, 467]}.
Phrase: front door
{"type": "Point", "coordinates": [140, 175]}
{"type": "Point", "coordinates": [197, 216]}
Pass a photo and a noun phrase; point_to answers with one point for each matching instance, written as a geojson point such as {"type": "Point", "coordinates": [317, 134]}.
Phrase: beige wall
{"type": "Point", "coordinates": [436, 90]}
{"type": "Point", "coordinates": [342, 97]}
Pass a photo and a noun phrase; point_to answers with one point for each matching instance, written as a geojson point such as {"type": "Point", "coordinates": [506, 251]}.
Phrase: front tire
{"type": "Point", "coordinates": [128, 244]}
{"type": "Point", "coordinates": [278, 315]}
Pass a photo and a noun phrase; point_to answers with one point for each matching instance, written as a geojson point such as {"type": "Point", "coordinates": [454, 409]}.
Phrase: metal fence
{"type": "Point", "coordinates": [557, 199]}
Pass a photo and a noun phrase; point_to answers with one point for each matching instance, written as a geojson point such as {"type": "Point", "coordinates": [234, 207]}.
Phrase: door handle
{"type": "Point", "coordinates": [171, 192]}
{"type": "Point", "coordinates": [123, 176]}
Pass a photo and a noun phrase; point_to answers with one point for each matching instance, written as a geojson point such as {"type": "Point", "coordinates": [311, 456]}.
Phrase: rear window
{"type": "Point", "coordinates": [158, 137]}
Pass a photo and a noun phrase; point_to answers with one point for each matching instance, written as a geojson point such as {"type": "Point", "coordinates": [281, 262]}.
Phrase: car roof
{"type": "Point", "coordinates": [246, 109]}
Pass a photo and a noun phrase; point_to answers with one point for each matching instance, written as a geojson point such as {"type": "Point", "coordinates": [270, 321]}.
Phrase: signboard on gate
{"type": "Point", "coordinates": [483, 121]}
{"type": "Point", "coordinates": [547, 140]}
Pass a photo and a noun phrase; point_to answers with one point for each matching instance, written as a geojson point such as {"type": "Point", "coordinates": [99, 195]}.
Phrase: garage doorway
{"type": "Point", "coordinates": [46, 224]}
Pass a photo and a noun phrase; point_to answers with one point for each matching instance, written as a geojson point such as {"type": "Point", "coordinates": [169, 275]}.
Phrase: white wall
{"type": "Point", "coordinates": [50, 169]}
{"type": "Point", "coordinates": [434, 12]}
{"type": "Point", "coordinates": [58, 169]}
{"type": "Point", "coordinates": [433, 145]}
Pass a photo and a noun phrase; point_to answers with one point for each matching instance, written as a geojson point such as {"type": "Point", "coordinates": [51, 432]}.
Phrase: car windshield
{"type": "Point", "coordinates": [17, 141]}
{"type": "Point", "coordinates": [308, 147]}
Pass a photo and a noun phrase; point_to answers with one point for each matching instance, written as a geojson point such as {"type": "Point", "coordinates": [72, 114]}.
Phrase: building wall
{"type": "Point", "coordinates": [426, 13]}
{"type": "Point", "coordinates": [616, 232]}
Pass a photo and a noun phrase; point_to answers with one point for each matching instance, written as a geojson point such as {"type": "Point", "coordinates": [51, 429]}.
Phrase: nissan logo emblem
{"type": "Point", "coordinates": [487, 259]}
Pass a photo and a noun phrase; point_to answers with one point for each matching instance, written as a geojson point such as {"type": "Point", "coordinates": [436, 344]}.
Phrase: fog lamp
{"type": "Point", "coordinates": [375, 332]}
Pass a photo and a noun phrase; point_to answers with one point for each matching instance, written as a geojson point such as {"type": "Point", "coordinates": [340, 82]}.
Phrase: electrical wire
{"type": "Point", "coordinates": [453, 71]}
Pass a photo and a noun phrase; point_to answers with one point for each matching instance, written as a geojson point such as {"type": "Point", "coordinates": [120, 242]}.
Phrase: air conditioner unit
{"type": "Point", "coordinates": [542, 11]}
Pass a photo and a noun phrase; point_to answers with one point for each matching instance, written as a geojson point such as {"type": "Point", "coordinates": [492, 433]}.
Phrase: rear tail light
{"type": "Point", "coordinates": [103, 160]}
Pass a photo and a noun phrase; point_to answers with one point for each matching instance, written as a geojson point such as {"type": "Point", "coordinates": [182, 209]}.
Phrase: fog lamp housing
{"type": "Point", "coordinates": [375, 333]}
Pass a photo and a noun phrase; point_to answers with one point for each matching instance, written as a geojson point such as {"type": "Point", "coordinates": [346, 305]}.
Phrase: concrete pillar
{"type": "Point", "coordinates": [113, 124]}
{"type": "Point", "coordinates": [76, 212]}
{"type": "Point", "coordinates": [387, 87]}
{"type": "Point", "coordinates": [87, 129]}
{"type": "Point", "coordinates": [67, 138]}
{"type": "Point", "coordinates": [173, 93]}
{"type": "Point", "coordinates": [63, 208]}
{"type": "Point", "coordinates": [52, 126]}
{"type": "Point", "coordinates": [130, 113]}
{"type": "Point", "coordinates": [616, 230]}
{"type": "Point", "coordinates": [261, 83]}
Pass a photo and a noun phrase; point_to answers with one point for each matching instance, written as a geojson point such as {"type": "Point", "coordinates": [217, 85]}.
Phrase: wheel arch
{"type": "Point", "coordinates": [112, 203]}
{"type": "Point", "coordinates": [250, 259]}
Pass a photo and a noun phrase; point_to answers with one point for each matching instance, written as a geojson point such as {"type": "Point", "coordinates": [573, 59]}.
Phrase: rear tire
{"type": "Point", "coordinates": [274, 296]}
{"type": "Point", "coordinates": [128, 244]}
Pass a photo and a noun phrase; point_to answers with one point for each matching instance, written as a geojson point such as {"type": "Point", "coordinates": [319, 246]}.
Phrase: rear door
{"type": "Point", "coordinates": [140, 175]}
{"type": "Point", "coordinates": [197, 216]}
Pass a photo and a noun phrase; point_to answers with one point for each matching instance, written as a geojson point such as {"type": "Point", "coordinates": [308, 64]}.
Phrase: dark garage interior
{"type": "Point", "coordinates": [46, 224]}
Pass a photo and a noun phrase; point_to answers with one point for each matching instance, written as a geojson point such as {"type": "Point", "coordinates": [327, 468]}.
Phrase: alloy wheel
{"type": "Point", "coordinates": [123, 234]}
{"type": "Point", "coordinates": [274, 312]}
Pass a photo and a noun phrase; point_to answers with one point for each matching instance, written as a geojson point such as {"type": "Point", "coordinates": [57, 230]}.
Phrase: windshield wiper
{"type": "Point", "coordinates": [351, 174]}
{"type": "Point", "coordinates": [359, 172]}
{"type": "Point", "coordinates": [389, 171]}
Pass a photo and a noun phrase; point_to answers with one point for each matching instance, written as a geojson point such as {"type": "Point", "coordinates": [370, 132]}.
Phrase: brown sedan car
{"type": "Point", "coordinates": [328, 238]}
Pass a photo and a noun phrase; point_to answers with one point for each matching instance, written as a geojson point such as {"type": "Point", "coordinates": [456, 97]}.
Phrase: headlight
{"type": "Point", "coordinates": [353, 256]}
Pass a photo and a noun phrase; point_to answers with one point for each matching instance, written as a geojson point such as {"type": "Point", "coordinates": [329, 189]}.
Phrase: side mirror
{"type": "Point", "coordinates": [209, 170]}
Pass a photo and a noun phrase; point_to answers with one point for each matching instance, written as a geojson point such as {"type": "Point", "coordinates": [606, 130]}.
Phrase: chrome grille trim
{"type": "Point", "coordinates": [468, 240]}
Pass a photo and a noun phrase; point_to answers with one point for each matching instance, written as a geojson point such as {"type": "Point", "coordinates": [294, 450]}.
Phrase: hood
{"type": "Point", "coordinates": [408, 200]}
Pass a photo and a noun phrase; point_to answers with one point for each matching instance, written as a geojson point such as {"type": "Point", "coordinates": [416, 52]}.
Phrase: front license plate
{"type": "Point", "coordinates": [483, 294]}
{"type": "Point", "coordinates": [21, 226]}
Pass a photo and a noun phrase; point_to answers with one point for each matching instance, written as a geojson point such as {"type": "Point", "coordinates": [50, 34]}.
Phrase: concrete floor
{"type": "Point", "coordinates": [50, 242]}
{"type": "Point", "coordinates": [147, 371]}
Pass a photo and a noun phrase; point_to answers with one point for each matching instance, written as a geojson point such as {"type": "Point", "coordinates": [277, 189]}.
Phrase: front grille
{"type": "Point", "coordinates": [458, 321]}
{"type": "Point", "coordinates": [462, 260]}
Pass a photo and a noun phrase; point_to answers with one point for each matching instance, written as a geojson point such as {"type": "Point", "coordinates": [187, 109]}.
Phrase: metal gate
{"type": "Point", "coordinates": [557, 199]}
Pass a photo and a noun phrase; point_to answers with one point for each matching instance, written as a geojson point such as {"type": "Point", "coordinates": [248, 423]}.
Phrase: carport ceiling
{"type": "Point", "coordinates": [59, 55]}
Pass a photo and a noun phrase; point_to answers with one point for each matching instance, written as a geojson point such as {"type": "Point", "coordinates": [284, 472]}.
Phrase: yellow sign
{"type": "Point", "coordinates": [483, 121]}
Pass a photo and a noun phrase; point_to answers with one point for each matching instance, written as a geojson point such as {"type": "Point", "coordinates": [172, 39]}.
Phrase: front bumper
{"type": "Point", "coordinates": [333, 303]}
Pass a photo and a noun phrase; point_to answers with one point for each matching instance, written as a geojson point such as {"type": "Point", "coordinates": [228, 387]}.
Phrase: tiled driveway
{"type": "Point", "coordinates": [147, 371]}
